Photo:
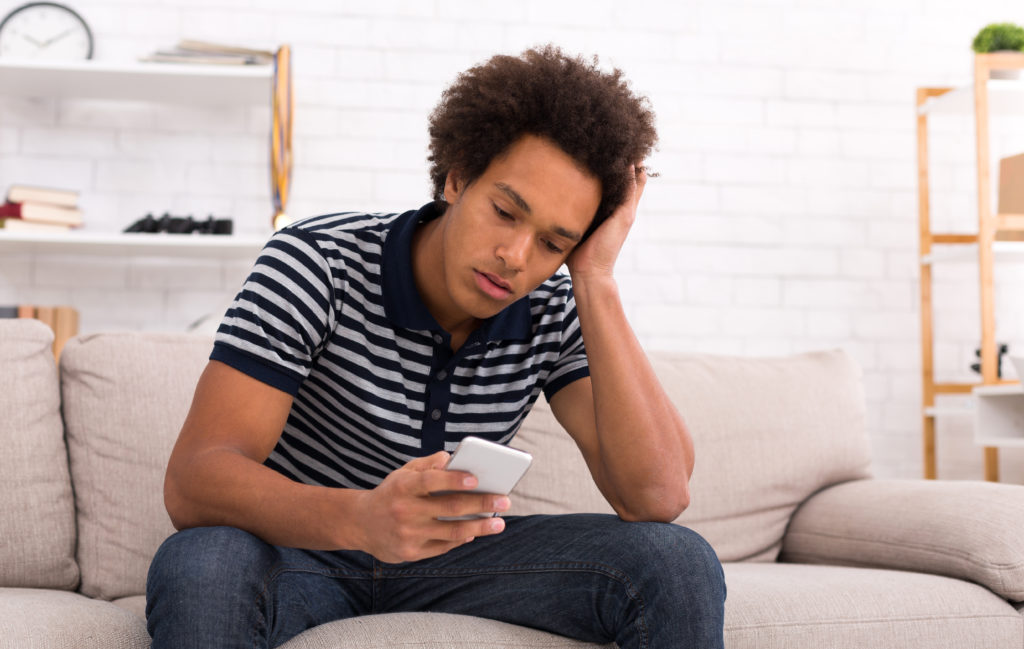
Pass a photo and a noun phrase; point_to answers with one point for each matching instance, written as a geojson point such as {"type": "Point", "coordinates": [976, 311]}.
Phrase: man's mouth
{"type": "Point", "coordinates": [493, 285]}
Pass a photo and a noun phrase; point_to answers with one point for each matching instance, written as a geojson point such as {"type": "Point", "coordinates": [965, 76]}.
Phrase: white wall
{"type": "Point", "coordinates": [784, 219]}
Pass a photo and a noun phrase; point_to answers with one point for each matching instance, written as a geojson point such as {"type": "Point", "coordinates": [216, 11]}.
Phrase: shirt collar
{"type": "Point", "coordinates": [403, 305]}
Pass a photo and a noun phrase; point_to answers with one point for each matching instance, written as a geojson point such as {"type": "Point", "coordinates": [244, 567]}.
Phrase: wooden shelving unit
{"type": "Point", "coordinates": [986, 96]}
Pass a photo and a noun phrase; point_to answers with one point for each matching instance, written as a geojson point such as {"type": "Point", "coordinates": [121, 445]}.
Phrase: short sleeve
{"type": "Point", "coordinates": [280, 318]}
{"type": "Point", "coordinates": [572, 362]}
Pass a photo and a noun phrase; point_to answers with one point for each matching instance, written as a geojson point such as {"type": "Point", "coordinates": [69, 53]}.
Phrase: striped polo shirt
{"type": "Point", "coordinates": [330, 314]}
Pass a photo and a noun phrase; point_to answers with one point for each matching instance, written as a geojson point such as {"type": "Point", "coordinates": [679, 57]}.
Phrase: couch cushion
{"type": "Point", "coordinates": [125, 398]}
{"type": "Point", "coordinates": [963, 529]}
{"type": "Point", "coordinates": [785, 606]}
{"type": "Point", "coordinates": [136, 605]}
{"type": "Point", "coordinates": [768, 433]}
{"type": "Point", "coordinates": [37, 517]}
{"type": "Point", "coordinates": [60, 620]}
{"type": "Point", "coordinates": [429, 631]}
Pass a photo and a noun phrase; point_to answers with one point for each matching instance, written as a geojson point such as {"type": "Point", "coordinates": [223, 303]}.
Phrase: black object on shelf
{"type": "Point", "coordinates": [1003, 350]}
{"type": "Point", "coordinates": [181, 225]}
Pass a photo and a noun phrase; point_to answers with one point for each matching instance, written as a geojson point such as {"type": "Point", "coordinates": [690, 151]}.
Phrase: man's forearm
{"type": "Point", "coordinates": [646, 454]}
{"type": "Point", "coordinates": [223, 487]}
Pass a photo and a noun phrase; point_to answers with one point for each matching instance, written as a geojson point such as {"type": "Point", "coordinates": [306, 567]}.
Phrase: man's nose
{"type": "Point", "coordinates": [515, 251]}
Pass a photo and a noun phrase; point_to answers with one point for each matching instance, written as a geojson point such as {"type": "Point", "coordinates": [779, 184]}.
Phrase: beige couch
{"type": "Point", "coordinates": [817, 554]}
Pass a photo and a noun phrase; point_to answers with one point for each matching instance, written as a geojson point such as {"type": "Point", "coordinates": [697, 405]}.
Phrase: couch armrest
{"type": "Point", "coordinates": [967, 530]}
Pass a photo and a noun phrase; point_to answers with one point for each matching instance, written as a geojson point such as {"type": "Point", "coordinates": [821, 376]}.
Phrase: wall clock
{"type": "Point", "coordinates": [45, 31]}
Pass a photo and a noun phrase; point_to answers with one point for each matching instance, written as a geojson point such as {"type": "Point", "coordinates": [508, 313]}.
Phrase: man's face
{"type": "Point", "coordinates": [511, 229]}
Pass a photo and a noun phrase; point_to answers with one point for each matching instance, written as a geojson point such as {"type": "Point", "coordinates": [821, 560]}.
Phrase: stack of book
{"type": "Point", "coordinates": [40, 209]}
{"type": "Point", "coordinates": [201, 52]}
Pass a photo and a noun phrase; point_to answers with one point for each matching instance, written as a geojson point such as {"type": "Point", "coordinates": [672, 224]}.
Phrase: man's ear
{"type": "Point", "coordinates": [453, 186]}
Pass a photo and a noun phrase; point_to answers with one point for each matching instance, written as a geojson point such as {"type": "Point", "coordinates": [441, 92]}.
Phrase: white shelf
{"type": "Point", "coordinates": [153, 82]}
{"type": "Point", "coordinates": [939, 411]}
{"type": "Point", "coordinates": [1005, 97]}
{"type": "Point", "coordinates": [223, 247]}
{"type": "Point", "coordinates": [999, 418]}
{"type": "Point", "coordinates": [1005, 442]}
{"type": "Point", "coordinates": [999, 390]}
{"type": "Point", "coordinates": [969, 252]}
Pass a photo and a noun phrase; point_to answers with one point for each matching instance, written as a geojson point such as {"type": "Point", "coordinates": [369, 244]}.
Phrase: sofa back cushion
{"type": "Point", "coordinates": [769, 432]}
{"type": "Point", "coordinates": [37, 516]}
{"type": "Point", "coordinates": [125, 398]}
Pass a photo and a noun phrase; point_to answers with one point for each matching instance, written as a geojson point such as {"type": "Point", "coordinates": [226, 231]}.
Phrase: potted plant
{"type": "Point", "coordinates": [1000, 37]}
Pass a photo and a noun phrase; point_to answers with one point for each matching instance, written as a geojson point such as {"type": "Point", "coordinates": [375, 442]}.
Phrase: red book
{"type": "Point", "coordinates": [39, 213]}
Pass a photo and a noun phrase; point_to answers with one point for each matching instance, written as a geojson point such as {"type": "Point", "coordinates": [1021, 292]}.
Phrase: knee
{"type": "Point", "coordinates": [207, 559]}
{"type": "Point", "coordinates": [678, 559]}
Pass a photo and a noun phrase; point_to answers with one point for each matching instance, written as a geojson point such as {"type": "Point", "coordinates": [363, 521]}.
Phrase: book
{"type": "Point", "coordinates": [65, 326]}
{"type": "Point", "coordinates": [18, 225]}
{"type": "Point", "coordinates": [189, 45]}
{"type": "Point", "coordinates": [42, 213]}
{"type": "Point", "coordinates": [206, 53]}
{"type": "Point", "coordinates": [199, 59]}
{"type": "Point", "coordinates": [48, 195]}
{"type": "Point", "coordinates": [46, 315]}
{"type": "Point", "coordinates": [18, 311]}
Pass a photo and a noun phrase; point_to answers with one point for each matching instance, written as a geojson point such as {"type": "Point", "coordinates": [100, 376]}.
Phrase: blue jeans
{"type": "Point", "coordinates": [591, 577]}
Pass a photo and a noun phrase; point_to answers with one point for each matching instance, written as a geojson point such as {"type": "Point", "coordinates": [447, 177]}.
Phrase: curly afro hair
{"type": "Point", "coordinates": [591, 115]}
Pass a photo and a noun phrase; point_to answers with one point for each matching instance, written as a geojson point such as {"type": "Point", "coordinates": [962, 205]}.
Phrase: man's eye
{"type": "Point", "coordinates": [500, 212]}
{"type": "Point", "coordinates": [552, 247]}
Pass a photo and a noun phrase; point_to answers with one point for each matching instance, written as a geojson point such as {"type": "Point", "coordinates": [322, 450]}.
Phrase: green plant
{"type": "Point", "coordinates": [999, 36]}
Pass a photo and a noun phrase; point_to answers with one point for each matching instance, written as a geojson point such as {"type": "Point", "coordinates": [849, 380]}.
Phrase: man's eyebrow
{"type": "Point", "coordinates": [514, 195]}
{"type": "Point", "coordinates": [524, 206]}
{"type": "Point", "coordinates": [568, 234]}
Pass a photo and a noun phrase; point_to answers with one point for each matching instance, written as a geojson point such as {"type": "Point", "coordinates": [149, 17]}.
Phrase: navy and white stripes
{"type": "Point", "coordinates": [331, 315]}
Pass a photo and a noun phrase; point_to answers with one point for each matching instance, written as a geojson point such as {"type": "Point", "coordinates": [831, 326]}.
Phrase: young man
{"type": "Point", "coordinates": [363, 348]}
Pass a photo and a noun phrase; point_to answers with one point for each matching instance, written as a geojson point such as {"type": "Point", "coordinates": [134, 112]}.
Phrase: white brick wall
{"type": "Point", "coordinates": [784, 218]}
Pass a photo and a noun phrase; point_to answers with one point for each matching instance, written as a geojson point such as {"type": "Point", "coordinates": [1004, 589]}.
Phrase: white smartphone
{"type": "Point", "coordinates": [497, 468]}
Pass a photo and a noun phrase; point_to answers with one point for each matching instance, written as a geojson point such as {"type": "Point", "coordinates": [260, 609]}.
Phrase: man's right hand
{"type": "Point", "coordinates": [399, 518]}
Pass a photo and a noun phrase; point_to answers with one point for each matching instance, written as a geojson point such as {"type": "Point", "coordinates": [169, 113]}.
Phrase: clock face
{"type": "Point", "coordinates": [45, 30]}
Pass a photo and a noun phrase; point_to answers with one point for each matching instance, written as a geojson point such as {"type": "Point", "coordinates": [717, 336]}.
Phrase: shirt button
{"type": "Point", "coordinates": [435, 414]}
{"type": "Point", "coordinates": [442, 375]}
{"type": "Point", "coordinates": [438, 339]}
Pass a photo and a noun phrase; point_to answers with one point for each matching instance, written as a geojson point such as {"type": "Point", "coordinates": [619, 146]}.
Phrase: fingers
{"type": "Point", "coordinates": [433, 482]}
{"type": "Point", "coordinates": [438, 538]}
{"type": "Point", "coordinates": [641, 179]}
{"type": "Point", "coordinates": [426, 475]}
{"type": "Point", "coordinates": [466, 531]}
{"type": "Point", "coordinates": [458, 533]}
{"type": "Point", "coordinates": [436, 461]}
{"type": "Point", "coordinates": [453, 505]}
{"type": "Point", "coordinates": [637, 183]}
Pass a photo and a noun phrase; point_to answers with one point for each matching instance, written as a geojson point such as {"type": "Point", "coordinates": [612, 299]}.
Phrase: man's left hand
{"type": "Point", "coordinates": [596, 256]}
